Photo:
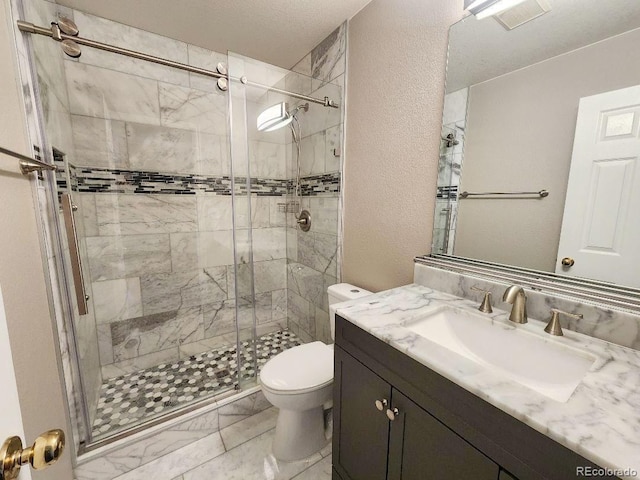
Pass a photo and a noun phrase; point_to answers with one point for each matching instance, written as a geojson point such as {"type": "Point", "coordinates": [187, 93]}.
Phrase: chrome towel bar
{"type": "Point", "coordinates": [541, 194]}
{"type": "Point", "coordinates": [28, 164]}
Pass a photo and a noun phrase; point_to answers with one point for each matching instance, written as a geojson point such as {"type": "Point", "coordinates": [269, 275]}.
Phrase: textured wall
{"type": "Point", "coordinates": [27, 309]}
{"type": "Point", "coordinates": [395, 88]}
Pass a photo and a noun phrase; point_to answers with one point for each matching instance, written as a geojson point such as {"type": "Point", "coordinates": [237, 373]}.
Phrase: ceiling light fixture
{"type": "Point", "coordinates": [488, 8]}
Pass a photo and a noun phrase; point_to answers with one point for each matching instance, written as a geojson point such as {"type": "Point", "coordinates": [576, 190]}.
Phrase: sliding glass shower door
{"type": "Point", "coordinates": [287, 170]}
{"type": "Point", "coordinates": [144, 155]}
{"type": "Point", "coordinates": [150, 176]}
{"type": "Point", "coordinates": [185, 244]}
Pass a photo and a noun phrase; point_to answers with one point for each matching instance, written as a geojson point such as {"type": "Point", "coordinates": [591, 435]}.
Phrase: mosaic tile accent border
{"type": "Point", "coordinates": [320, 184]}
{"type": "Point", "coordinates": [99, 180]}
{"type": "Point", "coordinates": [102, 180]}
{"type": "Point", "coordinates": [131, 398]}
{"type": "Point", "coordinates": [447, 191]}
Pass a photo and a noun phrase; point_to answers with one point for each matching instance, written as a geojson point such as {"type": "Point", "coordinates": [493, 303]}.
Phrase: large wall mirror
{"type": "Point", "coordinates": [539, 160]}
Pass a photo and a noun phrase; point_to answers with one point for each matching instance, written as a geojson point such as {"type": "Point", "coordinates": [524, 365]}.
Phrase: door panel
{"type": "Point", "coordinates": [422, 448]}
{"type": "Point", "coordinates": [11, 418]}
{"type": "Point", "coordinates": [363, 434]}
{"type": "Point", "coordinates": [603, 195]}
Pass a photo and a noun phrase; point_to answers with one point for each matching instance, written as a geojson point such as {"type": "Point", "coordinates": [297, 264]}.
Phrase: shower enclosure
{"type": "Point", "coordinates": [180, 233]}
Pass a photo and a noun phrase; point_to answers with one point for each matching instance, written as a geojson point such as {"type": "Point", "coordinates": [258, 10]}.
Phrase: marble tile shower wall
{"type": "Point", "coordinates": [449, 171]}
{"type": "Point", "coordinates": [160, 252]}
{"type": "Point", "coordinates": [313, 256]}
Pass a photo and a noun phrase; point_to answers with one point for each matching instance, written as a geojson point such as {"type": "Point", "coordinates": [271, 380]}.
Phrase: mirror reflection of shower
{"type": "Point", "coordinates": [274, 118]}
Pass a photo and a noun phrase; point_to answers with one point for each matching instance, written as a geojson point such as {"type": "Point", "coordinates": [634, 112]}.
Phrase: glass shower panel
{"type": "Point", "coordinates": [292, 269]}
{"type": "Point", "coordinates": [147, 163]}
{"type": "Point", "coordinates": [260, 171]}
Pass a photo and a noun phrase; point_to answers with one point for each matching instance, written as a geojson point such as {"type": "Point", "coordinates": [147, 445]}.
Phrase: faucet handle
{"type": "Point", "coordinates": [554, 327]}
{"type": "Point", "coordinates": [485, 306]}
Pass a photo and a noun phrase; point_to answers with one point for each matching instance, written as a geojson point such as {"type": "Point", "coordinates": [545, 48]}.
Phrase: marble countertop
{"type": "Point", "coordinates": [601, 419]}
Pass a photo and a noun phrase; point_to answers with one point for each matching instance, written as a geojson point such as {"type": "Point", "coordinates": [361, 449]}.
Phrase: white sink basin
{"type": "Point", "coordinates": [549, 368]}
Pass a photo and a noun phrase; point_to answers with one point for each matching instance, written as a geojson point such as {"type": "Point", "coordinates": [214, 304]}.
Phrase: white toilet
{"type": "Point", "coordinates": [299, 382]}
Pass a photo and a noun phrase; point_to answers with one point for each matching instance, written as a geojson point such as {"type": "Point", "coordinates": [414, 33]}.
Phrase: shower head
{"type": "Point", "coordinates": [278, 116]}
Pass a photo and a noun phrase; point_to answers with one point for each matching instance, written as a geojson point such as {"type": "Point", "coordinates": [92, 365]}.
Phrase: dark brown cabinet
{"type": "Point", "coordinates": [384, 435]}
{"type": "Point", "coordinates": [395, 418]}
{"type": "Point", "coordinates": [364, 435]}
{"type": "Point", "coordinates": [422, 448]}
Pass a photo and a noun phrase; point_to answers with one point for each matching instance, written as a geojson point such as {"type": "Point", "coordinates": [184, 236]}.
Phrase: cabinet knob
{"type": "Point", "coordinates": [392, 414]}
{"type": "Point", "coordinates": [380, 404]}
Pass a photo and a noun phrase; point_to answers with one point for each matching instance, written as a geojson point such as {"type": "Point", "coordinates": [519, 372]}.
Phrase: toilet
{"type": "Point", "coordinates": [299, 383]}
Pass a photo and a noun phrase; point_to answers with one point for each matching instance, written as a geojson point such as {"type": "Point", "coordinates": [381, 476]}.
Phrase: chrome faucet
{"type": "Point", "coordinates": [516, 296]}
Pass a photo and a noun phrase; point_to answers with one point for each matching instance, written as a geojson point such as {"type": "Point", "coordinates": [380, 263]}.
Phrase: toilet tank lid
{"type": "Point", "coordinates": [346, 291]}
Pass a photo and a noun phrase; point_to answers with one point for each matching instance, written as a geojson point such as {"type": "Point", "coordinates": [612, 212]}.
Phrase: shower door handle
{"type": "Point", "coordinates": [76, 263]}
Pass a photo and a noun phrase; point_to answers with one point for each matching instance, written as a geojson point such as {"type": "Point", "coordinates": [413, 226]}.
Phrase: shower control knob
{"type": "Point", "coordinates": [392, 413]}
{"type": "Point", "coordinates": [380, 404]}
{"type": "Point", "coordinates": [304, 220]}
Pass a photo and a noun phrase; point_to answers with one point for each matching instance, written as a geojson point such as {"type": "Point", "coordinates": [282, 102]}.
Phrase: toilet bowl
{"type": "Point", "coordinates": [299, 382]}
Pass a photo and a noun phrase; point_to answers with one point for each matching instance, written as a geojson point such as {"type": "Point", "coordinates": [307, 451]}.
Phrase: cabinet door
{"type": "Point", "coordinates": [361, 431]}
{"type": "Point", "coordinates": [422, 448]}
{"type": "Point", "coordinates": [504, 475]}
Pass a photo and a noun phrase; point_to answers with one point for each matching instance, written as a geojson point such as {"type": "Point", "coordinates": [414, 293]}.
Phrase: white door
{"type": "Point", "coordinates": [10, 418]}
{"type": "Point", "coordinates": [601, 223]}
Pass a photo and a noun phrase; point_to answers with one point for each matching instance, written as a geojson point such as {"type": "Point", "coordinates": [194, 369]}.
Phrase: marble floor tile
{"type": "Point", "coordinates": [242, 409]}
{"type": "Point", "coordinates": [319, 471]}
{"type": "Point", "coordinates": [249, 461]}
{"type": "Point", "coordinates": [176, 462]}
{"type": "Point", "coordinates": [251, 427]}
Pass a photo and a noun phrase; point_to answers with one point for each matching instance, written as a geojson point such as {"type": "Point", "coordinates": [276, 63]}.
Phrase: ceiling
{"type": "Point", "coordinates": [482, 49]}
{"type": "Point", "coordinates": [280, 32]}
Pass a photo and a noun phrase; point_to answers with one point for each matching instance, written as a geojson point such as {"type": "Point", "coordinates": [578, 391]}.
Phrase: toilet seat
{"type": "Point", "coordinates": [299, 369]}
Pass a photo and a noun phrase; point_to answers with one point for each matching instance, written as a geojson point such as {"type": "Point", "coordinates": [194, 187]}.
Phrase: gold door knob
{"type": "Point", "coordinates": [568, 262]}
{"type": "Point", "coordinates": [46, 450]}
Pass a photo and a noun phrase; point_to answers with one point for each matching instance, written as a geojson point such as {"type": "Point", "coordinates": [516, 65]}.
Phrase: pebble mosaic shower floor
{"type": "Point", "coordinates": [128, 399]}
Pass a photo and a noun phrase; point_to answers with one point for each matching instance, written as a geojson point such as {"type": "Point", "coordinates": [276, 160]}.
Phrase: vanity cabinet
{"type": "Point", "coordinates": [428, 427]}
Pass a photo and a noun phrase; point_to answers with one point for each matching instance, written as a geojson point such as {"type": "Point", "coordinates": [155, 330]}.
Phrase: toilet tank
{"type": "Point", "coordinates": [341, 292]}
